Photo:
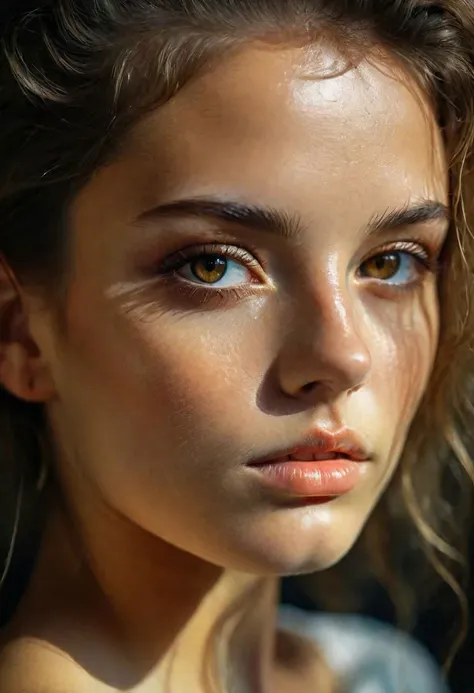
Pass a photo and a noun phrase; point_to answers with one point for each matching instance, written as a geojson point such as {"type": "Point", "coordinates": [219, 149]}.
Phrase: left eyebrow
{"type": "Point", "coordinates": [418, 213]}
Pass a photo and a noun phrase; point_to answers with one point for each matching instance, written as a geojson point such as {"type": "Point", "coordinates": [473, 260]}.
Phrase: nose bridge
{"type": "Point", "coordinates": [342, 345]}
{"type": "Point", "coordinates": [329, 347]}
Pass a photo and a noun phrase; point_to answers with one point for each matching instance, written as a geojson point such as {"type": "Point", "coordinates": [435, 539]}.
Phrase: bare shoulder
{"type": "Point", "coordinates": [31, 664]}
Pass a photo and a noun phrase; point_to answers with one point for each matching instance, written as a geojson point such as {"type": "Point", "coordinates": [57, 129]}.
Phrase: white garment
{"type": "Point", "coordinates": [368, 656]}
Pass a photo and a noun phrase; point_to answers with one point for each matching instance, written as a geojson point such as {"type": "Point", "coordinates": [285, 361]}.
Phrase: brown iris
{"type": "Point", "coordinates": [384, 266]}
{"type": "Point", "coordinates": [209, 269]}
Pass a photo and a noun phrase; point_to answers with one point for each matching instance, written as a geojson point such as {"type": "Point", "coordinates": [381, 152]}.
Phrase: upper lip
{"type": "Point", "coordinates": [321, 443]}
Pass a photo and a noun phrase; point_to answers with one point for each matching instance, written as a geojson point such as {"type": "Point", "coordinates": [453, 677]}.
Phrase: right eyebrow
{"type": "Point", "coordinates": [418, 213]}
{"type": "Point", "coordinates": [266, 219]}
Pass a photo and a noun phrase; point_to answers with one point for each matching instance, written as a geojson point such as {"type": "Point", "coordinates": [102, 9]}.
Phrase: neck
{"type": "Point", "coordinates": [175, 616]}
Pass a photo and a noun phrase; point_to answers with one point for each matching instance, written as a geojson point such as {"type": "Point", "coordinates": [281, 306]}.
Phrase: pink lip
{"type": "Point", "coordinates": [326, 466]}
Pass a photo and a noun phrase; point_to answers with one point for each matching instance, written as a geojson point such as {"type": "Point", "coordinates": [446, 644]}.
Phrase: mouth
{"type": "Point", "coordinates": [330, 467]}
{"type": "Point", "coordinates": [309, 456]}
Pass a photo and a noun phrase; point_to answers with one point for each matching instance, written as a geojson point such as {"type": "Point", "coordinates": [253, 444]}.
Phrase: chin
{"type": "Point", "coordinates": [294, 544]}
{"type": "Point", "coordinates": [283, 562]}
{"type": "Point", "coordinates": [290, 563]}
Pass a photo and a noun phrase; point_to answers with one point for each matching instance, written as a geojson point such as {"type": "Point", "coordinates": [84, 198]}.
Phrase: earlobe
{"type": "Point", "coordinates": [24, 377]}
{"type": "Point", "coordinates": [23, 371]}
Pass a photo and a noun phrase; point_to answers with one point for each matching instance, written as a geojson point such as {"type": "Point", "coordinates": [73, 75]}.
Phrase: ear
{"type": "Point", "coordinates": [23, 370]}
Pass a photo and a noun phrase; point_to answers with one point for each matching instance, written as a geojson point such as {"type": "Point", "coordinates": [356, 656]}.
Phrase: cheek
{"type": "Point", "coordinates": [203, 371]}
{"type": "Point", "coordinates": [404, 344]}
{"type": "Point", "coordinates": [167, 373]}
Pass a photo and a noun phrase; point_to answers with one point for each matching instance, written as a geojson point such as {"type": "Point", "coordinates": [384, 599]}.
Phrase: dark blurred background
{"type": "Point", "coordinates": [436, 620]}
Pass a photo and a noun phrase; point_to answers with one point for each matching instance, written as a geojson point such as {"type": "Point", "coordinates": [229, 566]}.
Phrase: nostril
{"type": "Point", "coordinates": [309, 387]}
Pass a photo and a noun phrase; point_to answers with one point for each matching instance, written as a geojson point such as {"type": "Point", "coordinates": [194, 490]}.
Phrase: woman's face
{"type": "Point", "coordinates": [254, 276]}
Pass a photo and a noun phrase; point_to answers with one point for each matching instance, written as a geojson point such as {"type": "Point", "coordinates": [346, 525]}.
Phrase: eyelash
{"type": "Point", "coordinates": [235, 252]}
{"type": "Point", "coordinates": [169, 267]}
{"type": "Point", "coordinates": [418, 249]}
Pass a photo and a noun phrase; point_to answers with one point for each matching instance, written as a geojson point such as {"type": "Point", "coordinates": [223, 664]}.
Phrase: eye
{"type": "Point", "coordinates": [215, 266]}
{"type": "Point", "coordinates": [215, 270]}
{"type": "Point", "coordinates": [393, 267]}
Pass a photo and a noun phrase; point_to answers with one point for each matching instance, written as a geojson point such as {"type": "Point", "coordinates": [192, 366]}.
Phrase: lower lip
{"type": "Point", "coordinates": [317, 479]}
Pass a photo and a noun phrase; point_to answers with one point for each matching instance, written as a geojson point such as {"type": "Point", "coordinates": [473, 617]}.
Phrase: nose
{"type": "Point", "coordinates": [324, 350]}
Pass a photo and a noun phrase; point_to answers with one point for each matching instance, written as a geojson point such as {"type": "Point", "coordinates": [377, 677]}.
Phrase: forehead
{"type": "Point", "coordinates": [272, 125]}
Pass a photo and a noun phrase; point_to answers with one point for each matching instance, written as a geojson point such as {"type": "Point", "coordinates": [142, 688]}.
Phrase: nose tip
{"type": "Point", "coordinates": [354, 373]}
{"type": "Point", "coordinates": [335, 363]}
{"type": "Point", "coordinates": [338, 378]}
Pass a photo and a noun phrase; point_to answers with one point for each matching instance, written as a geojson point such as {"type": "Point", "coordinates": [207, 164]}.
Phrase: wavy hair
{"type": "Point", "coordinates": [126, 57]}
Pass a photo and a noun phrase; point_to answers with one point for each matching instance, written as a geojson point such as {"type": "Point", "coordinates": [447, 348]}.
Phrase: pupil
{"type": "Point", "coordinates": [212, 263]}
{"type": "Point", "coordinates": [210, 268]}
{"type": "Point", "coordinates": [387, 263]}
{"type": "Point", "coordinates": [383, 266]}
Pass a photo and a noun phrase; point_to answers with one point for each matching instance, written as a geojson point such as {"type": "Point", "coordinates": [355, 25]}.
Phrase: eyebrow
{"type": "Point", "coordinates": [258, 218]}
{"type": "Point", "coordinates": [286, 225]}
{"type": "Point", "coordinates": [420, 212]}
